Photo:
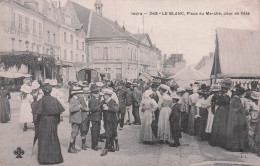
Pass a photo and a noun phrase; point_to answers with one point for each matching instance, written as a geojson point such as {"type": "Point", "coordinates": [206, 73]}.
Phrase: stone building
{"type": "Point", "coordinates": [112, 50]}
{"type": "Point", "coordinates": [174, 64]}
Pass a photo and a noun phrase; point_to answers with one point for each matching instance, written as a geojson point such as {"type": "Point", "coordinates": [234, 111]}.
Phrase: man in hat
{"type": "Point", "coordinates": [110, 109]}
{"type": "Point", "coordinates": [137, 97]}
{"type": "Point", "coordinates": [175, 119]}
{"type": "Point", "coordinates": [75, 117]}
{"type": "Point", "coordinates": [120, 92]}
{"type": "Point", "coordinates": [84, 127]}
{"type": "Point", "coordinates": [129, 118]}
{"type": "Point", "coordinates": [95, 116]}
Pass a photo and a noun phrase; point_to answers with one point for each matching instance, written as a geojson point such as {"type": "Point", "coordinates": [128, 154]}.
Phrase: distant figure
{"type": "Point", "coordinates": [5, 113]}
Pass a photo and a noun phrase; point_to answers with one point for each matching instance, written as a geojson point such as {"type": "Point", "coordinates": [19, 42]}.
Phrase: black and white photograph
{"type": "Point", "coordinates": [130, 82]}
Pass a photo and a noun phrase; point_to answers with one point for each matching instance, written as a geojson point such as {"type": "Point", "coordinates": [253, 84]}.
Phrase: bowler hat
{"type": "Point", "coordinates": [226, 83]}
{"type": "Point", "coordinates": [47, 87]}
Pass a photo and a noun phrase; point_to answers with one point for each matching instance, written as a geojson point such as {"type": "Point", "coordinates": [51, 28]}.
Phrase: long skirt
{"type": "Point", "coordinates": [210, 121]}
{"type": "Point", "coordinates": [4, 110]}
{"type": "Point", "coordinates": [203, 123]}
{"type": "Point", "coordinates": [26, 113]}
{"type": "Point", "coordinates": [257, 137]}
{"type": "Point", "coordinates": [49, 150]}
{"type": "Point", "coordinates": [146, 133]}
{"type": "Point", "coordinates": [218, 134]}
{"type": "Point", "coordinates": [164, 132]}
{"type": "Point", "coordinates": [237, 132]}
{"type": "Point", "coordinates": [192, 114]}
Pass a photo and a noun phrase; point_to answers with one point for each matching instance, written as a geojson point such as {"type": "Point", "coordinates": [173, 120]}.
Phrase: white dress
{"type": "Point", "coordinates": [26, 110]}
{"type": "Point", "coordinates": [164, 132]}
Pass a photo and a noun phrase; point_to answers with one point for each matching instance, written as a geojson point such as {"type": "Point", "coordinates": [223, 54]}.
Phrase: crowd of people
{"type": "Point", "coordinates": [225, 116]}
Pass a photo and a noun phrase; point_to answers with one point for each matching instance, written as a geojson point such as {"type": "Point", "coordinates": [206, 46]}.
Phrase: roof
{"type": "Point", "coordinates": [189, 73]}
{"type": "Point", "coordinates": [141, 38]}
{"type": "Point", "coordinates": [237, 53]}
{"type": "Point", "coordinates": [100, 27]}
{"type": "Point", "coordinates": [83, 15]}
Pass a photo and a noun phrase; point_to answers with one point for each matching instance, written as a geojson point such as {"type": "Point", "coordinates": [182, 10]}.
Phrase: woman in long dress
{"type": "Point", "coordinates": [218, 134]}
{"type": "Point", "coordinates": [193, 111]}
{"type": "Point", "coordinates": [48, 117]}
{"type": "Point", "coordinates": [26, 109]}
{"type": "Point", "coordinates": [148, 106]}
{"type": "Point", "coordinates": [5, 113]}
{"type": "Point", "coordinates": [237, 132]}
{"type": "Point", "coordinates": [202, 115]}
{"type": "Point", "coordinates": [211, 102]}
{"type": "Point", "coordinates": [164, 132]}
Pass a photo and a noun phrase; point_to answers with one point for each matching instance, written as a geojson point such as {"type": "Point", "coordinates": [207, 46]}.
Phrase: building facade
{"type": "Point", "coordinates": [46, 30]}
{"type": "Point", "coordinates": [112, 50]}
{"type": "Point", "coordinates": [174, 64]}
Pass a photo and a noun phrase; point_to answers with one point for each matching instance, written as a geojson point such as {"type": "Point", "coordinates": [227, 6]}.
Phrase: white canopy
{"type": "Point", "coordinates": [189, 75]}
{"type": "Point", "coordinates": [7, 74]}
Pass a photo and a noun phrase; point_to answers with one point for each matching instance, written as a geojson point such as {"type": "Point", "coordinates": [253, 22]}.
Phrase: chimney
{"type": "Point", "coordinates": [55, 4]}
{"type": "Point", "coordinates": [123, 28]}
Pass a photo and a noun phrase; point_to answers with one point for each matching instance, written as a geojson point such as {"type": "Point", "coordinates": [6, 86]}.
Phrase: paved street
{"type": "Point", "coordinates": [132, 153]}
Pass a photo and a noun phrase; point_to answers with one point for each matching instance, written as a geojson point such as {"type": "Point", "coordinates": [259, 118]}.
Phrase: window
{"type": "Point", "coordinates": [65, 54]}
{"type": "Point", "coordinates": [40, 29]}
{"type": "Point", "coordinates": [97, 54]}
{"type": "Point", "coordinates": [34, 27]}
{"type": "Point", "coordinates": [118, 53]}
{"type": "Point", "coordinates": [87, 59]}
{"type": "Point", "coordinates": [37, 48]}
{"type": "Point", "coordinates": [33, 46]}
{"type": "Point", "coordinates": [12, 43]}
{"type": "Point", "coordinates": [48, 36]}
{"type": "Point", "coordinates": [105, 53]}
{"type": "Point", "coordinates": [83, 57]}
{"type": "Point", "coordinates": [20, 45]}
{"type": "Point", "coordinates": [20, 24]}
{"type": "Point", "coordinates": [54, 38]}
{"type": "Point", "coordinates": [26, 24]}
{"type": "Point", "coordinates": [71, 55]}
{"type": "Point", "coordinates": [71, 38]}
{"type": "Point", "coordinates": [47, 51]}
{"type": "Point", "coordinates": [77, 58]}
{"type": "Point", "coordinates": [65, 36]}
{"type": "Point", "coordinates": [77, 43]}
{"type": "Point", "coordinates": [43, 49]}
{"type": "Point", "coordinates": [13, 20]}
{"type": "Point", "coordinates": [83, 45]}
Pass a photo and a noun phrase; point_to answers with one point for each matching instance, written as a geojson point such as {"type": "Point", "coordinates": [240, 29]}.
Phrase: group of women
{"type": "Point", "coordinates": [227, 118]}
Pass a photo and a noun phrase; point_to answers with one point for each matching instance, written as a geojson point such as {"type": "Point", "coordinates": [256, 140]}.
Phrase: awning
{"type": "Point", "coordinates": [6, 74]}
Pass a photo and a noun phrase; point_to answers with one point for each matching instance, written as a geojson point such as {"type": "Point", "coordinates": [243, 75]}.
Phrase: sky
{"type": "Point", "coordinates": [191, 35]}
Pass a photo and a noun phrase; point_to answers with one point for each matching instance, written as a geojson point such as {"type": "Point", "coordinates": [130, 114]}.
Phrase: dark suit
{"type": "Point", "coordinates": [110, 121]}
{"type": "Point", "coordinates": [95, 117]}
{"type": "Point", "coordinates": [174, 119]}
{"type": "Point", "coordinates": [137, 97]}
{"type": "Point", "coordinates": [121, 94]}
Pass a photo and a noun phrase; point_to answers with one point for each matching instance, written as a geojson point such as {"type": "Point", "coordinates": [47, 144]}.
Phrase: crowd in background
{"type": "Point", "coordinates": [223, 115]}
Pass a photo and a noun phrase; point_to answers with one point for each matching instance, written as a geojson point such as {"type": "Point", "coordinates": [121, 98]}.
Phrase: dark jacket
{"type": "Point", "coordinates": [94, 108]}
{"type": "Point", "coordinates": [75, 111]}
{"type": "Point", "coordinates": [129, 97]}
{"type": "Point", "coordinates": [110, 115]}
{"type": "Point", "coordinates": [121, 94]}
{"type": "Point", "coordinates": [137, 97]}
{"type": "Point", "coordinates": [174, 119]}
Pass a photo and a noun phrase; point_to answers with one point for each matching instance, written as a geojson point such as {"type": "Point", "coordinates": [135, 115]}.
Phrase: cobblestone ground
{"type": "Point", "coordinates": [132, 153]}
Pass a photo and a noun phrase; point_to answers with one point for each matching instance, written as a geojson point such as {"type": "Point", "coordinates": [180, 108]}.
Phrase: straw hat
{"type": "Point", "coordinates": [86, 90]}
{"type": "Point", "coordinates": [99, 84]}
{"type": "Point", "coordinates": [107, 91]}
{"type": "Point", "coordinates": [215, 88]}
{"type": "Point", "coordinates": [35, 85]}
{"type": "Point", "coordinates": [76, 90]}
{"type": "Point", "coordinates": [26, 88]}
{"type": "Point", "coordinates": [226, 83]}
{"type": "Point", "coordinates": [53, 82]}
{"type": "Point", "coordinates": [175, 96]}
